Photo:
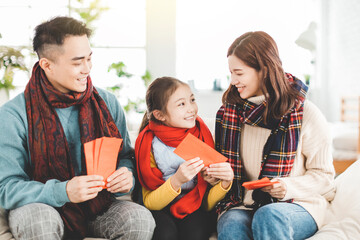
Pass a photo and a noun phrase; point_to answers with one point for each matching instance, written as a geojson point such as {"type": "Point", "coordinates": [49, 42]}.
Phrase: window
{"type": "Point", "coordinates": [119, 34]}
{"type": "Point", "coordinates": [205, 30]}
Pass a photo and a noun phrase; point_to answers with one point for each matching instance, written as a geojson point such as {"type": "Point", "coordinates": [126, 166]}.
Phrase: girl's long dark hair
{"type": "Point", "coordinates": [259, 51]}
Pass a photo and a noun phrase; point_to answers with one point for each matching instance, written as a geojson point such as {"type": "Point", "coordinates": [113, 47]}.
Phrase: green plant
{"type": "Point", "coordinates": [124, 76]}
{"type": "Point", "coordinates": [120, 69]}
{"type": "Point", "coordinates": [146, 78]}
{"type": "Point", "coordinates": [10, 59]}
{"type": "Point", "coordinates": [89, 13]}
{"type": "Point", "coordinates": [307, 79]}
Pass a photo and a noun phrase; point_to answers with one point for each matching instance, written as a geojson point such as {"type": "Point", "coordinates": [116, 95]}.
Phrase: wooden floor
{"type": "Point", "coordinates": [341, 165]}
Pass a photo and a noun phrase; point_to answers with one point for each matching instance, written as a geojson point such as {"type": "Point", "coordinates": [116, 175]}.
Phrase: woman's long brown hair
{"type": "Point", "coordinates": [259, 51]}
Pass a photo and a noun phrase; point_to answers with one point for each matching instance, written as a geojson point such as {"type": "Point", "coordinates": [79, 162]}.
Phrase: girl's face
{"type": "Point", "coordinates": [181, 109]}
{"type": "Point", "coordinates": [244, 78]}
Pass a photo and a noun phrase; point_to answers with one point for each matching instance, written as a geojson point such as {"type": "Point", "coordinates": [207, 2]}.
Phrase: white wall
{"type": "Point", "coordinates": [339, 59]}
{"type": "Point", "coordinates": [160, 37]}
{"type": "Point", "coordinates": [206, 29]}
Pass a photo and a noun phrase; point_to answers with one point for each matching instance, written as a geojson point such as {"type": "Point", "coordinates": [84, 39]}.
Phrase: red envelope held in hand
{"type": "Point", "coordinates": [192, 147]}
{"type": "Point", "coordinates": [258, 183]}
{"type": "Point", "coordinates": [101, 156]}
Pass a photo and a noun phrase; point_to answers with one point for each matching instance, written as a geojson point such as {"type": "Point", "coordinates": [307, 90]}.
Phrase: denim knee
{"type": "Point", "coordinates": [270, 223]}
{"type": "Point", "coordinates": [236, 224]}
{"type": "Point", "coordinates": [36, 221]}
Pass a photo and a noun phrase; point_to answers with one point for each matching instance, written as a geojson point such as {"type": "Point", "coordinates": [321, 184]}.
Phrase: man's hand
{"type": "Point", "coordinates": [83, 188]}
{"type": "Point", "coordinates": [120, 181]}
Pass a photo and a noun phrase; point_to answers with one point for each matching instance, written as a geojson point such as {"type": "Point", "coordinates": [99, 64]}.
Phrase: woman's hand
{"type": "Point", "coordinates": [278, 190]}
{"type": "Point", "coordinates": [186, 172]}
{"type": "Point", "coordinates": [211, 180]}
{"type": "Point", "coordinates": [222, 171]}
{"type": "Point", "coordinates": [120, 181]}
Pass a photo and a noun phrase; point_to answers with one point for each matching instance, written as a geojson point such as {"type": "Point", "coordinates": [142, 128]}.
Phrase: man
{"type": "Point", "coordinates": [43, 179]}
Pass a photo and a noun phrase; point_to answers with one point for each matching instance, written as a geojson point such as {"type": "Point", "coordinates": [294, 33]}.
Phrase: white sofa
{"type": "Point", "coordinates": [342, 219]}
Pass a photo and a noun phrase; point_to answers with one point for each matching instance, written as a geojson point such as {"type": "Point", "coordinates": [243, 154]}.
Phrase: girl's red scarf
{"type": "Point", "coordinates": [49, 150]}
{"type": "Point", "coordinates": [151, 178]}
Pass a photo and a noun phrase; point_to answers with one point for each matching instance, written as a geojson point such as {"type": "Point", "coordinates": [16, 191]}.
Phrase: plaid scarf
{"type": "Point", "coordinates": [151, 178]}
{"type": "Point", "coordinates": [49, 150]}
{"type": "Point", "coordinates": [280, 148]}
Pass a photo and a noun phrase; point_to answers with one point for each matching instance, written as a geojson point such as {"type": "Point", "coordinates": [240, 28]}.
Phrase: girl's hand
{"type": "Point", "coordinates": [186, 172]}
{"type": "Point", "coordinates": [222, 171]}
{"type": "Point", "coordinates": [278, 190]}
{"type": "Point", "coordinates": [120, 181]}
{"type": "Point", "coordinates": [211, 180]}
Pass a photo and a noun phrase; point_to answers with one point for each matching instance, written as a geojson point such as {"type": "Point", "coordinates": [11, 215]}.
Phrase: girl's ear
{"type": "Point", "coordinates": [158, 115]}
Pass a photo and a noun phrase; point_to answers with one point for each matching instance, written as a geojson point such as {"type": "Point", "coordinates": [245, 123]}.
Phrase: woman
{"type": "Point", "coordinates": [267, 129]}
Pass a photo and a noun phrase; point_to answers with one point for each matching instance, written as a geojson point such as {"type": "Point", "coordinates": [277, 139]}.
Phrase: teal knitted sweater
{"type": "Point", "coordinates": [16, 185]}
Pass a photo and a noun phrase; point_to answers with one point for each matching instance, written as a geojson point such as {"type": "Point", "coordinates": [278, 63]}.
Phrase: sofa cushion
{"type": "Point", "coordinates": [342, 219]}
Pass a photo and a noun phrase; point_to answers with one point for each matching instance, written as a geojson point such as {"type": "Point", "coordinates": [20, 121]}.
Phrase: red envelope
{"type": "Point", "coordinates": [192, 147]}
{"type": "Point", "coordinates": [258, 183]}
{"type": "Point", "coordinates": [98, 143]}
{"type": "Point", "coordinates": [89, 157]}
{"type": "Point", "coordinates": [108, 156]}
{"type": "Point", "coordinates": [101, 156]}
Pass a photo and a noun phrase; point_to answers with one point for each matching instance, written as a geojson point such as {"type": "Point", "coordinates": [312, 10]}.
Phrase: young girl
{"type": "Point", "coordinates": [267, 129]}
{"type": "Point", "coordinates": [173, 188]}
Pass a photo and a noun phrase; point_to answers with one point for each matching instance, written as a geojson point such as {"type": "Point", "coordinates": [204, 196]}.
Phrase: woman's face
{"type": "Point", "coordinates": [244, 78]}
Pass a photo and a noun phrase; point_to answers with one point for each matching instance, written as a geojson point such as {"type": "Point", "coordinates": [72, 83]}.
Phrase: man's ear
{"type": "Point", "coordinates": [45, 64]}
{"type": "Point", "coordinates": [158, 115]}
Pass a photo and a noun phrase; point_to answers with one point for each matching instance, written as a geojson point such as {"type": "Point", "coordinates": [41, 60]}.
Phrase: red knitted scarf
{"type": "Point", "coordinates": [49, 150]}
{"type": "Point", "coordinates": [151, 178]}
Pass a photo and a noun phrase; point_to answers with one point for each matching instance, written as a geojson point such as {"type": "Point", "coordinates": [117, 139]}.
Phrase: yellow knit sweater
{"type": "Point", "coordinates": [163, 195]}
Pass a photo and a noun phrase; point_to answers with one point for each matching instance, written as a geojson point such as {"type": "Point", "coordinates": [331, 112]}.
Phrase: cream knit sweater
{"type": "Point", "coordinates": [311, 181]}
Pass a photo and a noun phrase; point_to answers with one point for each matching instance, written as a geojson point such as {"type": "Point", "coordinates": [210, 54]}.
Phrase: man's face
{"type": "Point", "coordinates": [69, 69]}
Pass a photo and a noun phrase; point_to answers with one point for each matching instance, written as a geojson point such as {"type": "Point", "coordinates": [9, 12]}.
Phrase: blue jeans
{"type": "Point", "coordinates": [283, 221]}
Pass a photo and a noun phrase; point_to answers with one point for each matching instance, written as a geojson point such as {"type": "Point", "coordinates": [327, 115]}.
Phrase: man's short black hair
{"type": "Point", "coordinates": [54, 32]}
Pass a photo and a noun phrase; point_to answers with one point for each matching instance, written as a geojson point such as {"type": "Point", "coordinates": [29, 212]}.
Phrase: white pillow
{"type": "Point", "coordinates": [346, 141]}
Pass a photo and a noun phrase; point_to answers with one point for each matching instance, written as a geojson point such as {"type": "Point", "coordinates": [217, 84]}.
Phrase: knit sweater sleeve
{"type": "Point", "coordinates": [216, 193]}
{"type": "Point", "coordinates": [16, 187]}
{"type": "Point", "coordinates": [315, 175]}
{"type": "Point", "coordinates": [160, 197]}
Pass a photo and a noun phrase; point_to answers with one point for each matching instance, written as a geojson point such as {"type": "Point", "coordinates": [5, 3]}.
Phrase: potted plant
{"type": "Point", "coordinates": [132, 103]}
{"type": "Point", "coordinates": [130, 91]}
{"type": "Point", "coordinates": [10, 59]}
